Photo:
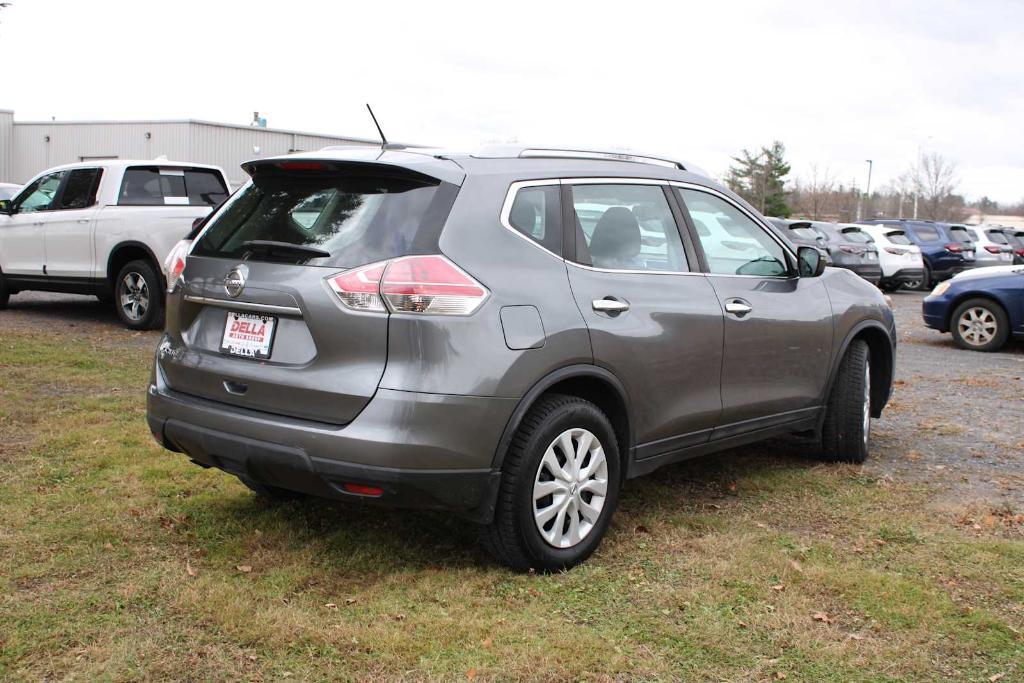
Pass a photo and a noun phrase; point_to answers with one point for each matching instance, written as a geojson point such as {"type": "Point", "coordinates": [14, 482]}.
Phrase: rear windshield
{"type": "Point", "coordinates": [162, 186]}
{"type": "Point", "coordinates": [996, 236]}
{"type": "Point", "coordinates": [804, 233]}
{"type": "Point", "coordinates": [858, 236]}
{"type": "Point", "coordinates": [961, 234]}
{"type": "Point", "coordinates": [1014, 238]}
{"type": "Point", "coordinates": [354, 220]}
{"type": "Point", "coordinates": [898, 237]}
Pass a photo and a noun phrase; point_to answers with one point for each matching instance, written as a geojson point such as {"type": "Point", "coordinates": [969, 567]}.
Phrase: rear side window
{"type": "Point", "coordinates": [898, 237]}
{"type": "Point", "coordinates": [355, 220]}
{"type": "Point", "coordinates": [626, 227]}
{"type": "Point", "coordinates": [80, 188]}
{"type": "Point", "coordinates": [926, 233]}
{"type": "Point", "coordinates": [158, 186]}
{"type": "Point", "coordinates": [536, 213]}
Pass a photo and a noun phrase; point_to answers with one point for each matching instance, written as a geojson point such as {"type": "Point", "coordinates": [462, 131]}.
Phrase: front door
{"type": "Point", "coordinates": [778, 327]}
{"type": "Point", "coordinates": [22, 242]}
{"type": "Point", "coordinates": [654, 322]}
{"type": "Point", "coordinates": [69, 227]}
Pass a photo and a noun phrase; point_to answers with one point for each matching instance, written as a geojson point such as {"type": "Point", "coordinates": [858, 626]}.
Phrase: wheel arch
{"type": "Point", "coordinates": [128, 251]}
{"type": "Point", "coordinates": [882, 354]}
{"type": "Point", "coordinates": [590, 382]}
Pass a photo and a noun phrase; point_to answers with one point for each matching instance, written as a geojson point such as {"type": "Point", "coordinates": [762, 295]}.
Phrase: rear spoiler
{"type": "Point", "coordinates": [414, 167]}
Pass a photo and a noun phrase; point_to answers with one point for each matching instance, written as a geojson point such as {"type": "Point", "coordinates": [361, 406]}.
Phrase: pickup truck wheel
{"type": "Point", "coordinates": [559, 487]}
{"type": "Point", "coordinates": [847, 428]}
{"type": "Point", "coordinates": [979, 325]}
{"type": "Point", "coordinates": [138, 296]}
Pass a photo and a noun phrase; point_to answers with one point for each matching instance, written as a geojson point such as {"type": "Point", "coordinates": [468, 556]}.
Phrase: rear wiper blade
{"type": "Point", "coordinates": [270, 246]}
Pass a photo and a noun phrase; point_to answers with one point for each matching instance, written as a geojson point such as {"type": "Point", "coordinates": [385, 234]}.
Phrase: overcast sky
{"type": "Point", "coordinates": [838, 83]}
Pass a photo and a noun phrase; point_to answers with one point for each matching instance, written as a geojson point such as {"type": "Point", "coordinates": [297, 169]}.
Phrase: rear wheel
{"type": "Point", "coordinates": [925, 284]}
{"type": "Point", "coordinates": [980, 325]}
{"type": "Point", "coordinates": [559, 487]}
{"type": "Point", "coordinates": [847, 428]}
{"type": "Point", "coordinates": [138, 296]}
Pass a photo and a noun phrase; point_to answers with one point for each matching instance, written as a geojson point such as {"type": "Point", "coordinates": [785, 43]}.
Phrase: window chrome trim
{"type": "Point", "coordinates": [506, 210]}
{"type": "Point", "coordinates": [635, 272]}
{"type": "Point", "coordinates": [244, 305]}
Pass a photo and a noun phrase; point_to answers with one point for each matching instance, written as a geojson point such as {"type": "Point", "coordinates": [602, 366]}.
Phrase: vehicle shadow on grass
{"type": "Point", "coordinates": [45, 307]}
{"type": "Point", "coordinates": [370, 541]}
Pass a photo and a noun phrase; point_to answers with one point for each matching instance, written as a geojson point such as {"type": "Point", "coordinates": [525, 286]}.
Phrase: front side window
{"type": "Point", "coordinates": [39, 195]}
{"type": "Point", "coordinates": [80, 188]}
{"type": "Point", "coordinates": [744, 248]}
{"type": "Point", "coordinates": [626, 227]}
{"type": "Point", "coordinates": [536, 213]}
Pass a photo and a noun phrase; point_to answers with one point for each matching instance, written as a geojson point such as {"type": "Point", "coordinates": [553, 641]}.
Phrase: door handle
{"type": "Point", "coordinates": [83, 220]}
{"type": "Point", "coordinates": [38, 223]}
{"type": "Point", "coordinates": [610, 306]}
{"type": "Point", "coordinates": [738, 307]}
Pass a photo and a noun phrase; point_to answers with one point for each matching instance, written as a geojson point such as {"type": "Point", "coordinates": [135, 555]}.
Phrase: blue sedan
{"type": "Point", "coordinates": [981, 312]}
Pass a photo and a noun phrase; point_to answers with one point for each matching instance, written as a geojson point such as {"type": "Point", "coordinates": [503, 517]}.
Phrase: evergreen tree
{"type": "Point", "coordinates": [761, 179]}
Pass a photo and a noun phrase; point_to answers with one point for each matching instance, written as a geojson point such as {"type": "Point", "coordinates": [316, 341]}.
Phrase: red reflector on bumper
{"type": "Point", "coordinates": [363, 490]}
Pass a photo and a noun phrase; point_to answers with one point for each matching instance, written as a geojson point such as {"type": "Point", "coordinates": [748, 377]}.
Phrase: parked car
{"type": "Point", "coordinates": [104, 228]}
{"type": "Point", "coordinates": [801, 234]}
{"type": "Point", "coordinates": [899, 258]}
{"type": "Point", "coordinates": [1015, 238]}
{"type": "Point", "coordinates": [447, 331]}
{"type": "Point", "coordinates": [986, 271]}
{"type": "Point", "coordinates": [943, 255]}
{"type": "Point", "coordinates": [981, 313]}
{"type": "Point", "coordinates": [850, 248]}
{"type": "Point", "coordinates": [8, 190]}
{"type": "Point", "coordinates": [987, 252]}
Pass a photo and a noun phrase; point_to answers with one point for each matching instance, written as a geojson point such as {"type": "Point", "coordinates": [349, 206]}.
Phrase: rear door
{"type": "Point", "coordinates": [654, 320]}
{"type": "Point", "coordinates": [257, 323]}
{"type": "Point", "coordinates": [778, 327]}
{"type": "Point", "coordinates": [70, 252]}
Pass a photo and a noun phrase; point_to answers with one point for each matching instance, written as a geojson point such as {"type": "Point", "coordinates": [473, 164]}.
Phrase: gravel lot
{"type": "Point", "coordinates": [956, 420]}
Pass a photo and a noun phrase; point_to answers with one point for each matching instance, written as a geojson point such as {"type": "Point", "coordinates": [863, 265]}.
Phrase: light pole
{"type": "Point", "coordinates": [867, 192]}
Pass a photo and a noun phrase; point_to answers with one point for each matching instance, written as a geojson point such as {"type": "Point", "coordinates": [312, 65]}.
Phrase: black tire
{"type": "Point", "coordinates": [105, 298]}
{"type": "Point", "coordinates": [846, 432]}
{"type": "Point", "coordinates": [271, 493]}
{"type": "Point", "coordinates": [888, 287]}
{"type": "Point", "coordinates": [150, 287]}
{"type": "Point", "coordinates": [513, 538]}
{"type": "Point", "coordinates": [926, 280]}
{"type": "Point", "coordinates": [5, 292]}
{"type": "Point", "coordinates": [982, 338]}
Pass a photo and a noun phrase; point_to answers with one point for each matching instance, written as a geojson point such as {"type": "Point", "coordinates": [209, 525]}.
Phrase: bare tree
{"type": "Point", "coordinates": [814, 196]}
{"type": "Point", "coordinates": [934, 181]}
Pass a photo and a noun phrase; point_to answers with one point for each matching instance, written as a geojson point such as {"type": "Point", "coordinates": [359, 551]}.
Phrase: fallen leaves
{"type": "Point", "coordinates": [822, 617]}
{"type": "Point", "coordinates": [189, 569]}
{"type": "Point", "coordinates": [244, 568]}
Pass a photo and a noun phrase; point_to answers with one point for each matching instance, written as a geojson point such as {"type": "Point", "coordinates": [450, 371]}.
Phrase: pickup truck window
{"type": "Point", "coordinates": [155, 186]}
{"type": "Point", "coordinates": [80, 188]}
{"type": "Point", "coordinates": [39, 195]}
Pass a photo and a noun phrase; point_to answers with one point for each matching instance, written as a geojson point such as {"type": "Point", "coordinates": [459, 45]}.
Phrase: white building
{"type": "Point", "coordinates": [28, 147]}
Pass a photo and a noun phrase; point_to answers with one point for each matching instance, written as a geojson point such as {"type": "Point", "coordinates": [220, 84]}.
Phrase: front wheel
{"type": "Point", "coordinates": [559, 487]}
{"type": "Point", "coordinates": [139, 296]}
{"type": "Point", "coordinates": [5, 292]}
{"type": "Point", "coordinates": [980, 325]}
{"type": "Point", "coordinates": [847, 428]}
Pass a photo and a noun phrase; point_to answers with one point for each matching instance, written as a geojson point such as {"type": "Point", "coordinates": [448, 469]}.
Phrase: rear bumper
{"type": "Point", "coordinates": [425, 451]}
{"type": "Point", "coordinates": [870, 272]}
{"type": "Point", "coordinates": [907, 275]}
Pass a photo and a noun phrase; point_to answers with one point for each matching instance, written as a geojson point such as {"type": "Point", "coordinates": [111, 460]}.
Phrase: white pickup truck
{"type": "Point", "coordinates": [104, 228]}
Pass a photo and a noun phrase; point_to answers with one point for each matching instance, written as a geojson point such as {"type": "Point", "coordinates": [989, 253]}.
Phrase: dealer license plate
{"type": "Point", "coordinates": [248, 335]}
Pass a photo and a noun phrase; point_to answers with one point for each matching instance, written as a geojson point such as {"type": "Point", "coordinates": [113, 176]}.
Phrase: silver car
{"type": "Point", "coordinates": [510, 335]}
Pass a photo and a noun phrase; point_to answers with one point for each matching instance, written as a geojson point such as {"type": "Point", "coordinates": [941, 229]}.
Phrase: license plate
{"type": "Point", "coordinates": [248, 335]}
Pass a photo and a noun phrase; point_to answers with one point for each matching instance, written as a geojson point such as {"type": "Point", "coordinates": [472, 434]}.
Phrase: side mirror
{"type": "Point", "coordinates": [5, 206]}
{"type": "Point", "coordinates": [811, 262]}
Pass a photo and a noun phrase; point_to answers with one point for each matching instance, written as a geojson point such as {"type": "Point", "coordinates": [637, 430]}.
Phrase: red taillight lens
{"type": "Point", "coordinates": [896, 250]}
{"type": "Point", "coordinates": [359, 288]}
{"type": "Point", "coordinates": [363, 490]}
{"type": "Point", "coordinates": [993, 249]}
{"type": "Point", "coordinates": [850, 249]}
{"type": "Point", "coordinates": [175, 263]}
{"type": "Point", "coordinates": [412, 284]}
{"type": "Point", "coordinates": [301, 166]}
{"type": "Point", "coordinates": [954, 247]}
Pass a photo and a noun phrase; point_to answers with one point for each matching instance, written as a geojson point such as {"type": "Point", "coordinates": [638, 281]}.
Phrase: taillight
{"type": "Point", "coordinates": [895, 250]}
{"type": "Point", "coordinates": [954, 247]}
{"type": "Point", "coordinates": [412, 284]}
{"type": "Point", "coordinates": [174, 264]}
{"type": "Point", "coordinates": [850, 249]}
{"type": "Point", "coordinates": [993, 249]}
{"type": "Point", "coordinates": [359, 288]}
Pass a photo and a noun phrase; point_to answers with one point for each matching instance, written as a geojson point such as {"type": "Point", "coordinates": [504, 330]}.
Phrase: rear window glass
{"type": "Point", "coordinates": [355, 220]}
{"type": "Point", "coordinates": [927, 233]}
{"type": "Point", "coordinates": [996, 236]}
{"type": "Point", "coordinates": [536, 213]}
{"type": "Point", "coordinates": [858, 236]}
{"type": "Point", "coordinates": [962, 235]}
{"type": "Point", "coordinates": [805, 233]}
{"type": "Point", "coordinates": [1016, 239]}
{"type": "Point", "coordinates": [898, 237]}
{"type": "Point", "coordinates": [156, 186]}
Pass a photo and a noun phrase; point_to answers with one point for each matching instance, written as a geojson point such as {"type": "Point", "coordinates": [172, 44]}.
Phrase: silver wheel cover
{"type": "Point", "coordinates": [977, 326]}
{"type": "Point", "coordinates": [134, 296]}
{"type": "Point", "coordinates": [867, 401]}
{"type": "Point", "coordinates": [570, 488]}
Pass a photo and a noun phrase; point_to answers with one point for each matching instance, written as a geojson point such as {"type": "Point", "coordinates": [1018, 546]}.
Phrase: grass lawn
{"type": "Point", "coordinates": [121, 561]}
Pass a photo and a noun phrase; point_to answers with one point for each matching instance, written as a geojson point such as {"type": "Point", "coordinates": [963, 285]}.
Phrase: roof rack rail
{"type": "Point", "coordinates": [548, 153]}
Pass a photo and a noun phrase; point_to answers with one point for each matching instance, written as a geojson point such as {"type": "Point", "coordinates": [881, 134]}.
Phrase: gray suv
{"type": "Point", "coordinates": [508, 335]}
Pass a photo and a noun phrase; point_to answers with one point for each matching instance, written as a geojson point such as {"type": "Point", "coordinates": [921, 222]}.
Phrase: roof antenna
{"type": "Point", "coordinates": [383, 140]}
